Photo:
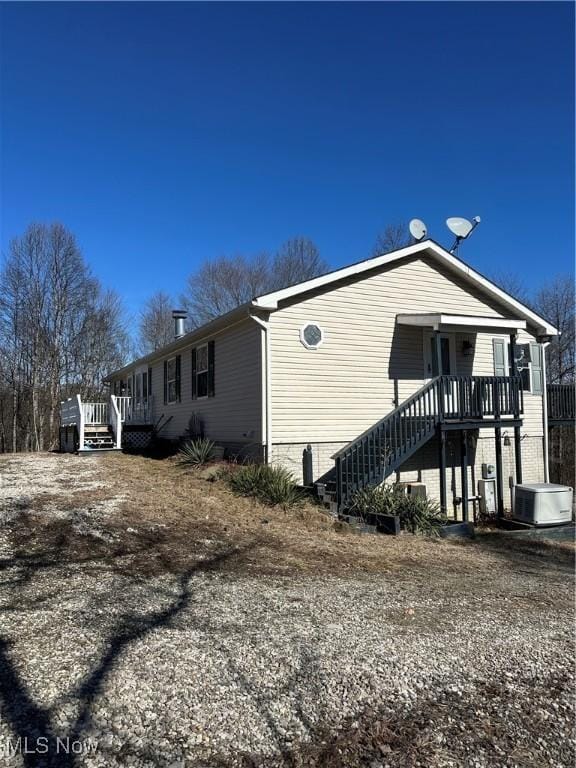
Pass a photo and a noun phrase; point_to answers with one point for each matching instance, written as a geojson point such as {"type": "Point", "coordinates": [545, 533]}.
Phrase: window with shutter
{"type": "Point", "coordinates": [202, 371]}
{"type": "Point", "coordinates": [171, 380]}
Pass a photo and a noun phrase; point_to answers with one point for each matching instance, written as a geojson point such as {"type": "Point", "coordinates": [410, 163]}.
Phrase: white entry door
{"type": "Point", "coordinates": [441, 362]}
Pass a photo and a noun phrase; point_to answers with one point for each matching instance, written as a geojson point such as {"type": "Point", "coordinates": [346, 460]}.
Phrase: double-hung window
{"type": "Point", "coordinates": [203, 371]}
{"type": "Point", "coordinates": [172, 379]}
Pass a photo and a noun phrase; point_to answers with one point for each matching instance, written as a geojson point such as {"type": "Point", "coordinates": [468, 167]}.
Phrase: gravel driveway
{"type": "Point", "coordinates": [212, 666]}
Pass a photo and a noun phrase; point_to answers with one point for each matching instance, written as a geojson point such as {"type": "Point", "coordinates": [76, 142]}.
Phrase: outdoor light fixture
{"type": "Point", "coordinates": [467, 348]}
{"type": "Point", "coordinates": [507, 442]}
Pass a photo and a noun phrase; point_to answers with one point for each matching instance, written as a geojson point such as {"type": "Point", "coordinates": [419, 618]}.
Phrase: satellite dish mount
{"type": "Point", "coordinates": [418, 229]}
{"type": "Point", "coordinates": [462, 228]}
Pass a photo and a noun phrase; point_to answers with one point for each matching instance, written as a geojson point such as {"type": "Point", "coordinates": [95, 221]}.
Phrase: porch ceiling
{"type": "Point", "coordinates": [440, 321]}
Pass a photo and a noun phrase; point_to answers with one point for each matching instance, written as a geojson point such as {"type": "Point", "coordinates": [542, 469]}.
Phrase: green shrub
{"type": "Point", "coordinates": [197, 452]}
{"type": "Point", "coordinates": [417, 514]}
{"type": "Point", "coordinates": [271, 485]}
{"type": "Point", "coordinates": [376, 500]}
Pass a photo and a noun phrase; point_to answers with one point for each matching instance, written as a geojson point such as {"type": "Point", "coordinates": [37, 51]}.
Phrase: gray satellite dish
{"type": "Point", "coordinates": [459, 226]}
{"type": "Point", "coordinates": [418, 229]}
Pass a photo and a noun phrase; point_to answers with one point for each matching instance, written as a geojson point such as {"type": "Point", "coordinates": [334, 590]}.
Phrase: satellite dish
{"type": "Point", "coordinates": [418, 229]}
{"type": "Point", "coordinates": [459, 226]}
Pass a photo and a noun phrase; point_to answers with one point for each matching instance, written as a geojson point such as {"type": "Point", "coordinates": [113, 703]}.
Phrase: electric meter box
{"type": "Point", "coordinates": [488, 471]}
{"type": "Point", "coordinates": [487, 493]}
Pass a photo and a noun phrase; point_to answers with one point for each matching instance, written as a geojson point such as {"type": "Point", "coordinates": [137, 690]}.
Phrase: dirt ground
{"type": "Point", "coordinates": [110, 547]}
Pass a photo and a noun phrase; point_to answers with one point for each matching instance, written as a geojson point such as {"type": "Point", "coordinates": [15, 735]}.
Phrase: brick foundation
{"type": "Point", "coordinates": [423, 466]}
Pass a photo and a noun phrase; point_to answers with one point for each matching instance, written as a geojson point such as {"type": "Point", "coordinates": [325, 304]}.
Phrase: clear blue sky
{"type": "Point", "coordinates": [164, 134]}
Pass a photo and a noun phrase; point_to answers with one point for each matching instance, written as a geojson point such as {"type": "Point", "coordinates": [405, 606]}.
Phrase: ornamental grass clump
{"type": "Point", "coordinates": [197, 453]}
{"type": "Point", "coordinates": [418, 514]}
{"type": "Point", "coordinates": [270, 484]}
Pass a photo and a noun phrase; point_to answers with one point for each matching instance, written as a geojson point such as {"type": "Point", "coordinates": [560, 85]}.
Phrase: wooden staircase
{"type": "Point", "coordinates": [98, 437]}
{"type": "Point", "coordinates": [444, 402]}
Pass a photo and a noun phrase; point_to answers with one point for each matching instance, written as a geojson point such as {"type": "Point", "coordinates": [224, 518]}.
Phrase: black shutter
{"type": "Point", "coordinates": [149, 381]}
{"type": "Point", "coordinates": [178, 369]}
{"type": "Point", "coordinates": [165, 381]}
{"type": "Point", "coordinates": [194, 386]}
{"type": "Point", "coordinates": [211, 391]}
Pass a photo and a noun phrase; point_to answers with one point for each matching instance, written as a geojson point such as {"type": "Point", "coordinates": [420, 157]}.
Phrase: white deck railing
{"type": "Point", "coordinates": [135, 411]}
{"type": "Point", "coordinates": [95, 413]}
{"type": "Point", "coordinates": [115, 421]}
{"type": "Point", "coordinates": [115, 413]}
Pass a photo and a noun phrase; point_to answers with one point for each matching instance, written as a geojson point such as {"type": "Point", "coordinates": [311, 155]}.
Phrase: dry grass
{"type": "Point", "coordinates": [182, 509]}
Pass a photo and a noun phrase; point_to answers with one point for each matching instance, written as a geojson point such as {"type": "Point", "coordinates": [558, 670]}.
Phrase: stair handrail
{"type": "Point", "coordinates": [432, 384]}
{"type": "Point", "coordinates": [81, 421]}
{"type": "Point", "coordinates": [371, 456]}
{"type": "Point", "coordinates": [115, 421]}
{"type": "Point", "coordinates": [388, 443]}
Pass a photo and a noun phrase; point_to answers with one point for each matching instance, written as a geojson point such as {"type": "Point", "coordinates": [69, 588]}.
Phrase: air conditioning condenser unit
{"type": "Point", "coordinates": [543, 503]}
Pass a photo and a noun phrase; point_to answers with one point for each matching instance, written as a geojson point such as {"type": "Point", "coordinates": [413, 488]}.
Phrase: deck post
{"type": "Point", "coordinates": [438, 352]}
{"type": "Point", "coordinates": [517, 435]}
{"type": "Point", "coordinates": [442, 462]}
{"type": "Point", "coordinates": [464, 470]}
{"type": "Point", "coordinates": [499, 479]}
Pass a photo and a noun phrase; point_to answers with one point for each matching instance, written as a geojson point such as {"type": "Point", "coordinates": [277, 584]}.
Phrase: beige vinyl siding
{"type": "Point", "coordinates": [335, 392]}
{"type": "Point", "coordinates": [233, 415]}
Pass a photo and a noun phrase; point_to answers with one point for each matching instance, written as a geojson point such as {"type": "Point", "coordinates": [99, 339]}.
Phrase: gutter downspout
{"type": "Point", "coordinates": [545, 412]}
{"type": "Point", "coordinates": [266, 388]}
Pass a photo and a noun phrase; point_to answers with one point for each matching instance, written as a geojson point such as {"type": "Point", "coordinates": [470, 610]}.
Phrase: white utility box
{"type": "Point", "coordinates": [487, 493]}
{"type": "Point", "coordinates": [543, 503]}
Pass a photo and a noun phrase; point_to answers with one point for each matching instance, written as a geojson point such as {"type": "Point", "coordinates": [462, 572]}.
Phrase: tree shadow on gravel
{"type": "Point", "coordinates": [493, 722]}
{"type": "Point", "coordinates": [42, 743]}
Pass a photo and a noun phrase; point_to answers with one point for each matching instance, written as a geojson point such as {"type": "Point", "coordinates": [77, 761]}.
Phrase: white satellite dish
{"type": "Point", "coordinates": [459, 226]}
{"type": "Point", "coordinates": [418, 229]}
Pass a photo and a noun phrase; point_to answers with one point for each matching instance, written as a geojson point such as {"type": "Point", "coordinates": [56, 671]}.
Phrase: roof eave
{"type": "Point", "coordinates": [223, 321]}
{"type": "Point", "coordinates": [270, 301]}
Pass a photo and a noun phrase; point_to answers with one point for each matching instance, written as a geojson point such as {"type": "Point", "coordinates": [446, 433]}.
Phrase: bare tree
{"type": "Point", "coordinates": [156, 326]}
{"type": "Point", "coordinates": [513, 284]}
{"type": "Point", "coordinates": [392, 237]}
{"type": "Point", "coordinates": [57, 329]}
{"type": "Point", "coordinates": [556, 302]}
{"type": "Point", "coordinates": [297, 260]}
{"type": "Point", "coordinates": [224, 283]}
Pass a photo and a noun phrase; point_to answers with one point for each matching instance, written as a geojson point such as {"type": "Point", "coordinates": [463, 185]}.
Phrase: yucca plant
{"type": "Point", "coordinates": [270, 484]}
{"type": "Point", "coordinates": [196, 453]}
{"type": "Point", "coordinates": [376, 500]}
{"type": "Point", "coordinates": [419, 514]}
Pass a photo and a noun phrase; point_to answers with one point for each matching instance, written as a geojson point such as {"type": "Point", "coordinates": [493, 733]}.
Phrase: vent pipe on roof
{"type": "Point", "coordinates": [179, 316]}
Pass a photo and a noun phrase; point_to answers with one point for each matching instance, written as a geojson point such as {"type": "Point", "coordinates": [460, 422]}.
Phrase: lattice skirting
{"type": "Point", "coordinates": [136, 438]}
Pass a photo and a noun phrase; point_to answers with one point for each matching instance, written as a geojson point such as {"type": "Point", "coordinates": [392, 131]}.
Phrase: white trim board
{"type": "Point", "coordinates": [437, 321]}
{"type": "Point", "coordinates": [427, 247]}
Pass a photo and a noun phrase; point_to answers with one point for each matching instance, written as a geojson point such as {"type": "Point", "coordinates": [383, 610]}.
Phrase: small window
{"type": "Point", "coordinates": [202, 371]}
{"type": "Point", "coordinates": [171, 380]}
{"type": "Point", "coordinates": [311, 335]}
{"type": "Point", "coordinates": [528, 364]}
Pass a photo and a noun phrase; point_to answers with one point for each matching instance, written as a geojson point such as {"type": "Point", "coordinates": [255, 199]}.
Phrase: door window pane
{"type": "Point", "coordinates": [445, 355]}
